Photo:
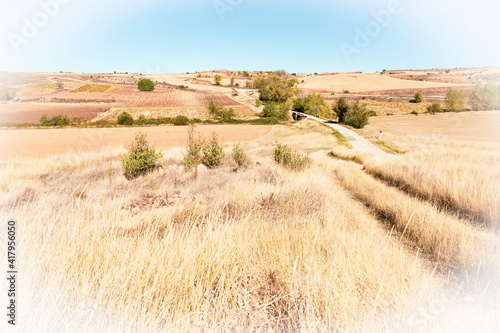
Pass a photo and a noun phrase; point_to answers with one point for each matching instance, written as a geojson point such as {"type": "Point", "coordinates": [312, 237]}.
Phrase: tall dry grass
{"type": "Point", "coordinates": [263, 248]}
{"type": "Point", "coordinates": [459, 176]}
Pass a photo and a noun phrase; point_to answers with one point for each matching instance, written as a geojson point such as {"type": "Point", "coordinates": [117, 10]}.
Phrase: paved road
{"type": "Point", "coordinates": [356, 140]}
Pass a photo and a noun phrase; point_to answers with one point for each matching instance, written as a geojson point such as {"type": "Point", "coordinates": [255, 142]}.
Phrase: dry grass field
{"type": "Point", "coordinates": [264, 248]}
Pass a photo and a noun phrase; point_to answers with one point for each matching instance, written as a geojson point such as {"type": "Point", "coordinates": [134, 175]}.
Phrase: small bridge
{"type": "Point", "coordinates": [298, 115]}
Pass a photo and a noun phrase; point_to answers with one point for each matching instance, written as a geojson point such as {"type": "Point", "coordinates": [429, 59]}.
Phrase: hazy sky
{"type": "Point", "coordinates": [151, 36]}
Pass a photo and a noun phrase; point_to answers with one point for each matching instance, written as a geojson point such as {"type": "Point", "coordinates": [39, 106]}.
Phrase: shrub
{"type": "Point", "coordinates": [213, 152]}
{"type": "Point", "coordinates": [125, 118]}
{"type": "Point", "coordinates": [141, 157]}
{"type": "Point", "coordinates": [142, 120]}
{"type": "Point", "coordinates": [419, 97]}
{"type": "Point", "coordinates": [60, 120]}
{"type": "Point", "coordinates": [75, 120]}
{"type": "Point", "coordinates": [239, 156]}
{"type": "Point", "coordinates": [218, 79]}
{"type": "Point", "coordinates": [455, 100]}
{"type": "Point", "coordinates": [414, 113]}
{"type": "Point", "coordinates": [180, 121]}
{"type": "Point", "coordinates": [276, 110]}
{"type": "Point", "coordinates": [219, 111]}
{"type": "Point", "coordinates": [258, 103]}
{"type": "Point", "coordinates": [146, 85]}
{"type": "Point", "coordinates": [285, 156]}
{"type": "Point", "coordinates": [192, 157]}
{"type": "Point", "coordinates": [435, 107]}
{"type": "Point", "coordinates": [232, 82]}
{"type": "Point", "coordinates": [314, 104]}
{"type": "Point", "coordinates": [357, 117]}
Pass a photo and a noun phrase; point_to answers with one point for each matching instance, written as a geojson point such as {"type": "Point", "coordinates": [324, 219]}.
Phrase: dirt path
{"type": "Point", "coordinates": [44, 142]}
{"type": "Point", "coordinates": [356, 140]}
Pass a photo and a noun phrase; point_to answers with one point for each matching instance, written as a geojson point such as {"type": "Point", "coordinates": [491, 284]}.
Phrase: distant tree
{"type": "Point", "coordinates": [218, 79]}
{"type": "Point", "coordinates": [146, 85]}
{"type": "Point", "coordinates": [419, 97]}
{"type": "Point", "coordinates": [455, 100]}
{"type": "Point", "coordinates": [485, 97]}
{"type": "Point", "coordinates": [276, 110]}
{"type": "Point", "coordinates": [232, 82]}
{"type": "Point", "coordinates": [276, 87]}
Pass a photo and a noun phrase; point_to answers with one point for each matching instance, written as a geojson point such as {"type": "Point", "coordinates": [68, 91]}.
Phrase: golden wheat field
{"type": "Point", "coordinates": [409, 243]}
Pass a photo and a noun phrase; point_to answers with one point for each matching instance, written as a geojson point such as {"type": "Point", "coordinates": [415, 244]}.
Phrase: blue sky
{"type": "Point", "coordinates": [151, 36]}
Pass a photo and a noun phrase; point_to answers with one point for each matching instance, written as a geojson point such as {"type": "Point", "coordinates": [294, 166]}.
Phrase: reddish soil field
{"type": "Point", "coordinates": [44, 142]}
{"type": "Point", "coordinates": [160, 97]}
{"type": "Point", "coordinates": [438, 91]}
{"type": "Point", "coordinates": [17, 113]}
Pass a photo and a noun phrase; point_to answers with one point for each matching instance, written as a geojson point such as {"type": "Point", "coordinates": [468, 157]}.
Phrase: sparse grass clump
{"type": "Point", "coordinates": [141, 157]}
{"type": "Point", "coordinates": [290, 159]}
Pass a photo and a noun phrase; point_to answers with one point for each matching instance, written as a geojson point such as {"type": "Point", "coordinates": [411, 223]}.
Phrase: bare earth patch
{"type": "Point", "coordinates": [477, 126]}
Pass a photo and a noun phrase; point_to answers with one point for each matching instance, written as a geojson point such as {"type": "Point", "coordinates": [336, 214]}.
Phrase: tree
{"type": "Point", "coordinates": [455, 100]}
{"type": "Point", "coordinates": [217, 79]}
{"type": "Point", "coordinates": [354, 115]}
{"type": "Point", "coordinates": [419, 97]}
{"type": "Point", "coordinates": [485, 97]}
{"type": "Point", "coordinates": [341, 109]}
{"type": "Point", "coordinates": [314, 104]}
{"type": "Point", "coordinates": [276, 110]}
{"type": "Point", "coordinates": [276, 87]}
{"type": "Point", "coordinates": [146, 85]}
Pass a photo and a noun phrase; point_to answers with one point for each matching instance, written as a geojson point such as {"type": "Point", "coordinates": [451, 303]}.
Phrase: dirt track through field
{"type": "Point", "coordinates": [44, 142]}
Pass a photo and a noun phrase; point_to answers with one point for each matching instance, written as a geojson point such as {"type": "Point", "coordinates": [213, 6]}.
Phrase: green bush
{"type": "Point", "coordinates": [414, 113]}
{"type": "Point", "coordinates": [75, 120]}
{"type": "Point", "coordinates": [285, 156]}
{"type": "Point", "coordinates": [213, 152]}
{"type": "Point", "coordinates": [419, 97]}
{"type": "Point", "coordinates": [141, 157]}
{"type": "Point", "coordinates": [435, 107]}
{"type": "Point", "coordinates": [143, 120]}
{"type": "Point", "coordinates": [59, 120]}
{"type": "Point", "coordinates": [313, 104]}
{"type": "Point", "coordinates": [180, 121]}
{"type": "Point", "coordinates": [258, 103]}
{"type": "Point", "coordinates": [276, 110]}
{"type": "Point", "coordinates": [239, 156]}
{"type": "Point", "coordinates": [146, 85]}
{"type": "Point", "coordinates": [455, 100]}
{"type": "Point", "coordinates": [125, 118]}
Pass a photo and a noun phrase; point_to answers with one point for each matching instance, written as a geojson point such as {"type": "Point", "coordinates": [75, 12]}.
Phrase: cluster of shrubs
{"type": "Point", "coordinates": [313, 104]}
{"type": "Point", "coordinates": [126, 118]}
{"type": "Point", "coordinates": [210, 153]}
{"type": "Point", "coordinates": [59, 120]}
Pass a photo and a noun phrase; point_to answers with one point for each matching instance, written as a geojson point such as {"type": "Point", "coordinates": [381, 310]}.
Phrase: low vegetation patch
{"type": "Point", "coordinates": [92, 88]}
{"type": "Point", "coordinates": [290, 159]}
{"type": "Point", "coordinates": [141, 157]}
